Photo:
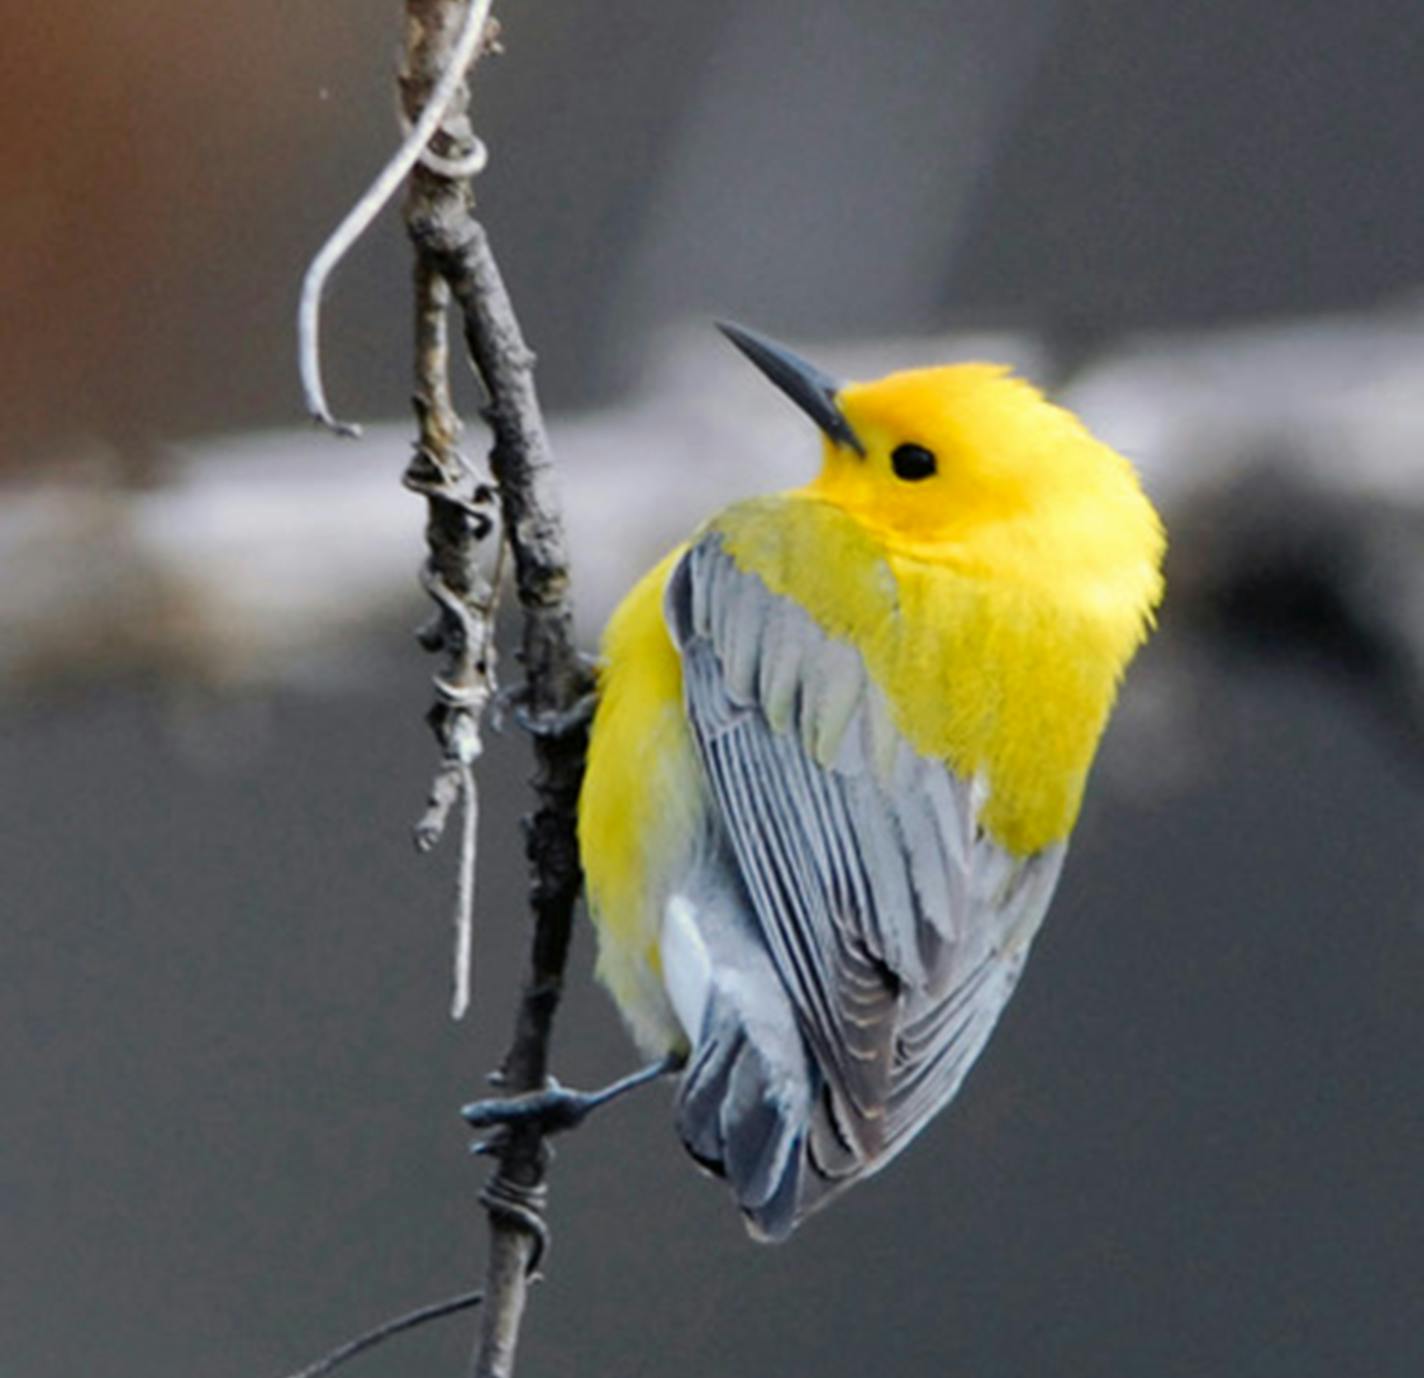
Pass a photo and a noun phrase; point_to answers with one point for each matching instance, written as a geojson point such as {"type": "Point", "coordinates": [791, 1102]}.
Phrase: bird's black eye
{"type": "Point", "coordinates": [912, 462]}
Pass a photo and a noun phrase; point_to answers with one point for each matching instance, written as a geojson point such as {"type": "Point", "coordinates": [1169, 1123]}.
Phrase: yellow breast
{"type": "Point", "coordinates": [641, 804]}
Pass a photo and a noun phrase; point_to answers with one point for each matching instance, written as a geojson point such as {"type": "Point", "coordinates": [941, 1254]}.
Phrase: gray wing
{"type": "Point", "coordinates": [896, 926]}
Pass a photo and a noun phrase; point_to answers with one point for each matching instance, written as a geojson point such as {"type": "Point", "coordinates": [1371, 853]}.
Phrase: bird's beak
{"type": "Point", "coordinates": [813, 391]}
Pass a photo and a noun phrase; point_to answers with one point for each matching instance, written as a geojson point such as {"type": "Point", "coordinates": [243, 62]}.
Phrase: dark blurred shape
{"type": "Point", "coordinates": [1305, 577]}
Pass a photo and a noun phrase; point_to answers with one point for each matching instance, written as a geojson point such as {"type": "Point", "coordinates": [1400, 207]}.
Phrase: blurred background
{"type": "Point", "coordinates": [229, 1135]}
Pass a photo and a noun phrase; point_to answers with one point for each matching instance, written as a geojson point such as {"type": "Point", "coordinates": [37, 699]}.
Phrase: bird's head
{"type": "Point", "coordinates": [963, 457]}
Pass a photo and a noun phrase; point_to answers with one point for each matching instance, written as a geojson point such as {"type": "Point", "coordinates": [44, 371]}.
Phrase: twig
{"type": "Point", "coordinates": [465, 894]}
{"type": "Point", "coordinates": [358, 219]}
{"type": "Point", "coordinates": [557, 689]}
{"type": "Point", "coordinates": [335, 1358]}
{"type": "Point", "coordinates": [459, 517]}
{"type": "Point", "coordinates": [451, 246]}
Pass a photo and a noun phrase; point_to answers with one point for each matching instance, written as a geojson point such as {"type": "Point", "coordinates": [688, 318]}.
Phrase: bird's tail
{"type": "Point", "coordinates": [745, 1104]}
{"type": "Point", "coordinates": [742, 1117]}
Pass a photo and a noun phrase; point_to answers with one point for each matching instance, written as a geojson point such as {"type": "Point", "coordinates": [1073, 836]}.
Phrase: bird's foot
{"type": "Point", "coordinates": [557, 1108]}
{"type": "Point", "coordinates": [514, 699]}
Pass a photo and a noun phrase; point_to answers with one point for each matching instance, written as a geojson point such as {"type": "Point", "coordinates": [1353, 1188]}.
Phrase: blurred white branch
{"type": "Point", "coordinates": [266, 553]}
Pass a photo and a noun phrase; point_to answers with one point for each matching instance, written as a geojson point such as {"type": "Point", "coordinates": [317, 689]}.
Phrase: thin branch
{"type": "Point", "coordinates": [465, 895]}
{"type": "Point", "coordinates": [553, 706]}
{"type": "Point", "coordinates": [459, 516]}
{"type": "Point", "coordinates": [451, 246]}
{"type": "Point", "coordinates": [335, 1358]}
{"type": "Point", "coordinates": [358, 219]}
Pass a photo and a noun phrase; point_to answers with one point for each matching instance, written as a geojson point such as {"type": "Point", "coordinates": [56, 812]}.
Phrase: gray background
{"type": "Point", "coordinates": [229, 1083]}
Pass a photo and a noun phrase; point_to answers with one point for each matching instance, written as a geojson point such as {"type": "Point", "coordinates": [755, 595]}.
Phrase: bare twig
{"type": "Point", "coordinates": [441, 155]}
{"type": "Point", "coordinates": [360, 216]}
{"type": "Point", "coordinates": [452, 249]}
{"type": "Point", "coordinates": [333, 1359]}
{"type": "Point", "coordinates": [465, 893]}
{"type": "Point", "coordinates": [557, 690]}
{"type": "Point", "coordinates": [459, 517]}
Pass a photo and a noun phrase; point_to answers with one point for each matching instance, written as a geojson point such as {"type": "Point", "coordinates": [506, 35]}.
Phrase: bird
{"type": "Point", "coordinates": [841, 738]}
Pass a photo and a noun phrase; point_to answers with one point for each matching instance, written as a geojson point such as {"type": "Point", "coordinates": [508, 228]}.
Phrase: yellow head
{"type": "Point", "coordinates": [968, 465]}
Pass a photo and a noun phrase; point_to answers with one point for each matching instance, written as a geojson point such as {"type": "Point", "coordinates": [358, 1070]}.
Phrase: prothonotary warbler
{"type": "Point", "coordinates": [841, 739]}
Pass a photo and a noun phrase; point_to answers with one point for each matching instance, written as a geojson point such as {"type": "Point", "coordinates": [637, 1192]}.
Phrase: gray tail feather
{"type": "Point", "coordinates": [746, 1119]}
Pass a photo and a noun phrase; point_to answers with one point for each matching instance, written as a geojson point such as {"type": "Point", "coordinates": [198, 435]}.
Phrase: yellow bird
{"type": "Point", "coordinates": [841, 740]}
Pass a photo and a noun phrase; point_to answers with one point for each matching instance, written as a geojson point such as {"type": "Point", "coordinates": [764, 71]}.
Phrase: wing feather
{"type": "Point", "coordinates": [897, 927]}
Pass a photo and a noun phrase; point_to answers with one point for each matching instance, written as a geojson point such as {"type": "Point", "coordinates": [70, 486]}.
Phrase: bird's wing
{"type": "Point", "coordinates": [897, 927]}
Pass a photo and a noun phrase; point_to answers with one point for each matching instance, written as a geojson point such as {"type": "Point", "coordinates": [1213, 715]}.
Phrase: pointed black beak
{"type": "Point", "coordinates": [813, 391]}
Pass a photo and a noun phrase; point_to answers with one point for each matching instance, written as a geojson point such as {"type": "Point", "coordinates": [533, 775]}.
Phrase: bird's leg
{"type": "Point", "coordinates": [514, 699]}
{"type": "Point", "coordinates": [556, 1107]}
